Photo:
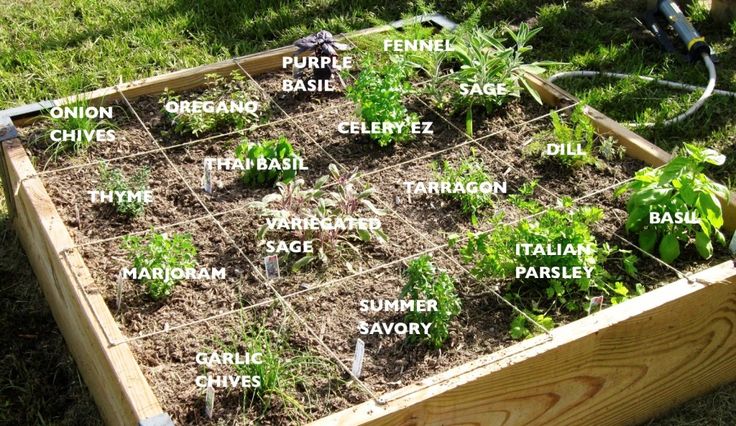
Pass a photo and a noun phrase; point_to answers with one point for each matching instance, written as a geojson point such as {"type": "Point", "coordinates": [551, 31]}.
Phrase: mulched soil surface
{"type": "Point", "coordinates": [327, 299]}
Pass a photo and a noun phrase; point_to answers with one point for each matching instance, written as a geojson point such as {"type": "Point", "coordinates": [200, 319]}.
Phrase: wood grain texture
{"type": "Point", "coordinates": [115, 380]}
{"type": "Point", "coordinates": [620, 366]}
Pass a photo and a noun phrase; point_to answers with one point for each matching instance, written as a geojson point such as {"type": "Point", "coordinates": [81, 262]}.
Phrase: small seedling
{"type": "Point", "coordinates": [672, 190]}
{"type": "Point", "coordinates": [268, 151]}
{"type": "Point", "coordinates": [425, 282]}
{"type": "Point", "coordinates": [610, 150]}
{"type": "Point", "coordinates": [162, 252]}
{"type": "Point", "coordinates": [470, 170]}
{"type": "Point", "coordinates": [521, 328]}
{"type": "Point", "coordinates": [114, 180]}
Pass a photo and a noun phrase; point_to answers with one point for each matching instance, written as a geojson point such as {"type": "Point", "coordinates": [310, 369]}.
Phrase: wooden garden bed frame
{"type": "Point", "coordinates": [619, 366]}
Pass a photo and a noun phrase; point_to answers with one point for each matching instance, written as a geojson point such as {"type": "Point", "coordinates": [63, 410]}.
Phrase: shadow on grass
{"type": "Point", "coordinates": [39, 383]}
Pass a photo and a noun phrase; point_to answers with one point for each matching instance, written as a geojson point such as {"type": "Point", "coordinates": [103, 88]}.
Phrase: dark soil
{"type": "Point", "coordinates": [327, 298]}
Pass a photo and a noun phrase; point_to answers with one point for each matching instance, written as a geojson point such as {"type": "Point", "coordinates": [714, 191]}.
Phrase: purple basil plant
{"type": "Point", "coordinates": [323, 45]}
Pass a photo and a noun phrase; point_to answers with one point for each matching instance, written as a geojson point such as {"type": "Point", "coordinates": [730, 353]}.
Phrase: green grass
{"type": "Point", "coordinates": [50, 49]}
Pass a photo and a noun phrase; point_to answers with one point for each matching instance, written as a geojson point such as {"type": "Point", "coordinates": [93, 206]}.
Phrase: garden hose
{"type": "Point", "coordinates": [709, 89]}
{"type": "Point", "coordinates": [697, 48]}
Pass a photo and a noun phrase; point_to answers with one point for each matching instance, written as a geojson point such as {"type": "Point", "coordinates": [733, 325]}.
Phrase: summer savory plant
{"type": "Point", "coordinates": [269, 150]}
{"type": "Point", "coordinates": [676, 188]}
{"type": "Point", "coordinates": [335, 198]}
{"type": "Point", "coordinates": [425, 282]}
{"type": "Point", "coordinates": [379, 91]}
{"type": "Point", "coordinates": [578, 133]}
{"type": "Point", "coordinates": [164, 252]}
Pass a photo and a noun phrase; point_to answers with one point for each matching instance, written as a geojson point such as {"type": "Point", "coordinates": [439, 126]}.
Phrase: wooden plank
{"type": "Point", "coordinates": [115, 380]}
{"type": "Point", "coordinates": [254, 64]}
{"type": "Point", "coordinates": [622, 365]}
{"type": "Point", "coordinates": [636, 146]}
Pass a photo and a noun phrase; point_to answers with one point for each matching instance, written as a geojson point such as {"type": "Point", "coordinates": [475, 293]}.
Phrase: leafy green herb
{"type": "Point", "coordinates": [678, 187]}
{"type": "Point", "coordinates": [114, 180]}
{"type": "Point", "coordinates": [470, 170]}
{"type": "Point", "coordinates": [269, 150]}
{"type": "Point", "coordinates": [218, 89]}
{"type": "Point", "coordinates": [379, 92]}
{"type": "Point", "coordinates": [485, 62]}
{"type": "Point", "coordinates": [162, 252]}
{"type": "Point", "coordinates": [523, 199]}
{"type": "Point", "coordinates": [426, 283]}
{"type": "Point", "coordinates": [333, 198]}
{"type": "Point", "coordinates": [498, 254]}
{"type": "Point", "coordinates": [577, 134]}
{"type": "Point", "coordinates": [521, 328]}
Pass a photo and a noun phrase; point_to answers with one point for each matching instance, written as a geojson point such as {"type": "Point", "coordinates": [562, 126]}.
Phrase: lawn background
{"type": "Point", "coordinates": [50, 49]}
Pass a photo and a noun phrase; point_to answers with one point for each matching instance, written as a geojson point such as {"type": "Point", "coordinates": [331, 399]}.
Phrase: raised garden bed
{"type": "Point", "coordinates": [138, 353]}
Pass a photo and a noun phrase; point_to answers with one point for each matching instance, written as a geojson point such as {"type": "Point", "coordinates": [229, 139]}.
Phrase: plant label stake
{"type": "Point", "coordinates": [272, 267]}
{"type": "Point", "coordinates": [598, 300]}
{"type": "Point", "coordinates": [119, 290]}
{"type": "Point", "coordinates": [732, 246]}
{"type": "Point", "coordinates": [209, 401]}
{"type": "Point", "coordinates": [207, 178]}
{"type": "Point", "coordinates": [358, 359]}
